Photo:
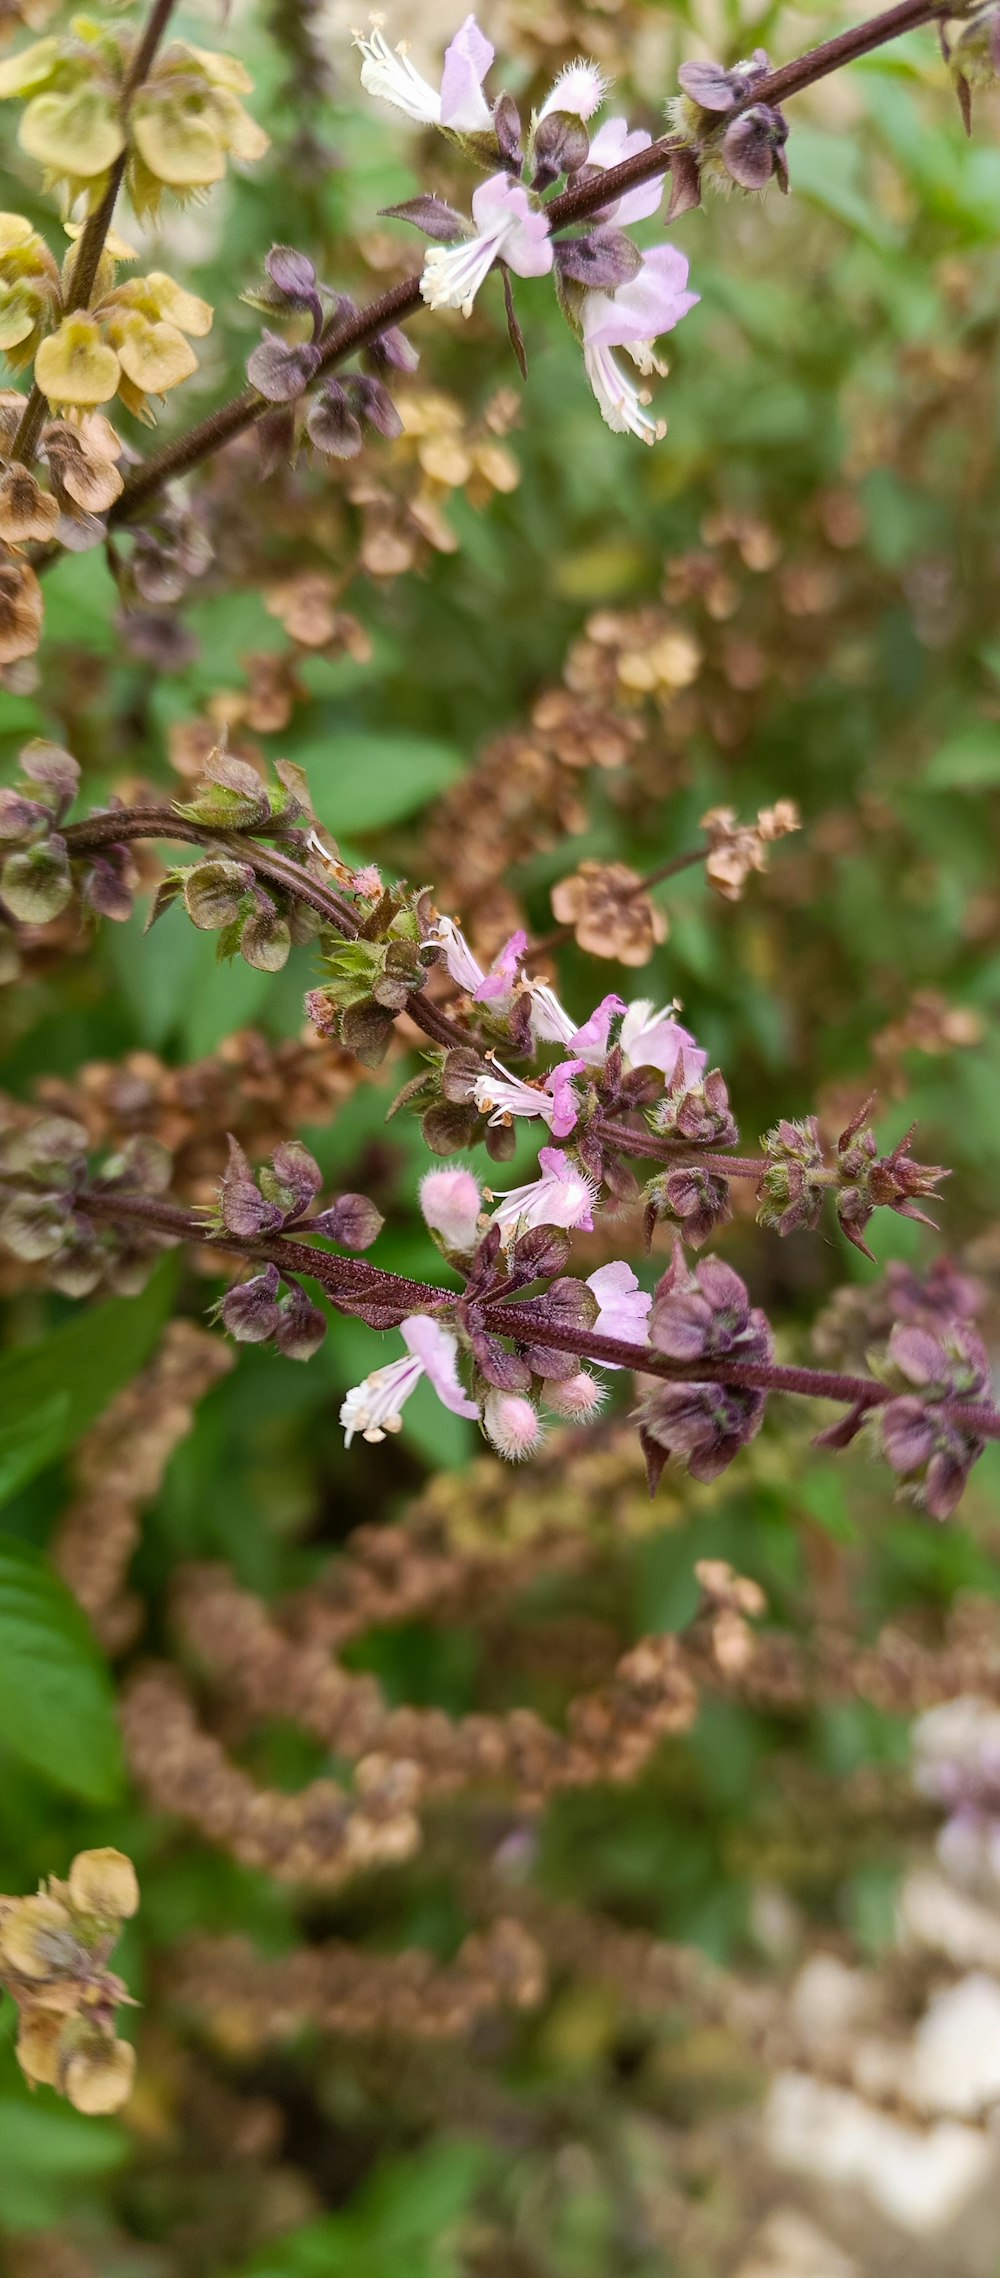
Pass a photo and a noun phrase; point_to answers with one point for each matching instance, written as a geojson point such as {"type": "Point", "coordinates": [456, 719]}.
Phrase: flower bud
{"type": "Point", "coordinates": [34, 1226]}
{"type": "Point", "coordinates": [214, 892]}
{"type": "Point", "coordinates": [578, 1397]}
{"type": "Point", "coordinates": [104, 1883]}
{"type": "Point", "coordinates": [331, 425]}
{"type": "Point", "coordinates": [99, 2076]}
{"type": "Point", "coordinates": [36, 884]}
{"type": "Point", "coordinates": [265, 940]}
{"type": "Point", "coordinates": [512, 1424]}
{"type": "Point", "coordinates": [451, 1202]}
{"type": "Point", "coordinates": [693, 1199]}
{"type": "Point", "coordinates": [281, 370]}
{"type": "Point", "coordinates": [251, 1312]}
{"type": "Point", "coordinates": [352, 1220]}
{"type": "Point", "coordinates": [37, 1939]}
{"type": "Point", "coordinates": [301, 1327]}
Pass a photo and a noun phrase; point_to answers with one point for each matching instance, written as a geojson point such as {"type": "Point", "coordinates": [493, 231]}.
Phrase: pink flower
{"type": "Point", "coordinates": [501, 1096]}
{"type": "Point", "coordinates": [451, 1202]}
{"type": "Point", "coordinates": [613, 142]}
{"type": "Point", "coordinates": [633, 317]}
{"type": "Point", "coordinates": [460, 104]}
{"type": "Point", "coordinates": [637, 313]}
{"type": "Point", "coordinates": [623, 1306]}
{"type": "Point", "coordinates": [506, 223]}
{"type": "Point", "coordinates": [563, 1196]}
{"type": "Point", "coordinates": [651, 1039]}
{"type": "Point", "coordinates": [465, 968]}
{"type": "Point", "coordinates": [591, 1041]}
{"type": "Point", "coordinates": [375, 1407]}
{"type": "Point", "coordinates": [513, 1425]}
{"type": "Point", "coordinates": [503, 972]}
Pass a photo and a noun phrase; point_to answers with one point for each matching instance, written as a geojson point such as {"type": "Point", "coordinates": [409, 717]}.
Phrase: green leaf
{"type": "Point", "coordinates": [401, 2225]}
{"type": "Point", "coordinates": [968, 761]}
{"type": "Point", "coordinates": [56, 1698]}
{"type": "Point", "coordinates": [51, 1391]}
{"type": "Point", "coordinates": [361, 781]}
{"type": "Point", "coordinates": [827, 172]}
{"type": "Point", "coordinates": [48, 2156]}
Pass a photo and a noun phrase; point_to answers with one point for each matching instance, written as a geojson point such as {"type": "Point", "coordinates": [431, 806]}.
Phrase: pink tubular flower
{"type": "Point", "coordinates": [512, 1424]}
{"type": "Point", "coordinates": [591, 1041]}
{"type": "Point", "coordinates": [633, 317]}
{"type": "Point", "coordinates": [613, 142]}
{"type": "Point", "coordinates": [506, 223]}
{"type": "Point", "coordinates": [502, 1097]}
{"type": "Point", "coordinates": [651, 1039]}
{"type": "Point", "coordinates": [460, 105]}
{"type": "Point", "coordinates": [465, 968]}
{"type": "Point", "coordinates": [375, 1407]}
{"type": "Point", "coordinates": [451, 1202]}
{"type": "Point", "coordinates": [623, 1306]}
{"type": "Point", "coordinates": [563, 1196]}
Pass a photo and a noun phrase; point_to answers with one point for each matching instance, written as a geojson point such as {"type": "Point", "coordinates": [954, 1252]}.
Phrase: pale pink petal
{"type": "Point", "coordinates": [463, 105]}
{"type": "Point", "coordinates": [437, 1351]}
{"type": "Point", "coordinates": [651, 303]}
{"type": "Point", "coordinates": [591, 1041]}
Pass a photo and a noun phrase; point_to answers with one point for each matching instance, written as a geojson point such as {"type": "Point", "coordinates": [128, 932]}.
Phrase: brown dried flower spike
{"type": "Point", "coordinates": [54, 1951]}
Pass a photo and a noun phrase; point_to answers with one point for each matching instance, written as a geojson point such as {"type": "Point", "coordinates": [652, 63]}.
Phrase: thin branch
{"type": "Point", "coordinates": [92, 242]}
{"type": "Point", "coordinates": [403, 300]}
{"type": "Point", "coordinates": [115, 829]}
{"type": "Point", "coordinates": [351, 1278]}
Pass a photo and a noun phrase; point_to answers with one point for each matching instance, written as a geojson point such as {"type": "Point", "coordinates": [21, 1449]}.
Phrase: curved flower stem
{"type": "Point", "coordinates": [342, 340]}
{"type": "Point", "coordinates": [130, 823]}
{"type": "Point", "coordinates": [92, 242]}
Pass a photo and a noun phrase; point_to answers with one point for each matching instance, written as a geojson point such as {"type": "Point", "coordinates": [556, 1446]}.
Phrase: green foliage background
{"type": "Point", "coordinates": [853, 327]}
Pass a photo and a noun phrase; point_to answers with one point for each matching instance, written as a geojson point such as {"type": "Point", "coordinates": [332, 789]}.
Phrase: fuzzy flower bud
{"type": "Point", "coordinates": [450, 1202]}
{"type": "Point", "coordinates": [796, 1179]}
{"type": "Point", "coordinates": [931, 1453]}
{"type": "Point", "coordinates": [691, 1198]}
{"type": "Point", "coordinates": [512, 1424]}
{"type": "Point", "coordinates": [577, 1398]}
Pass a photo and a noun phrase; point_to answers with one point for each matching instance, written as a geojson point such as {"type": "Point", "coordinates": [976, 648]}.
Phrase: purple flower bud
{"type": "Point", "coordinates": [706, 1314]}
{"type": "Point", "coordinates": [281, 370]}
{"type": "Point", "coordinates": [292, 273]}
{"type": "Point", "coordinates": [301, 1326]}
{"type": "Point", "coordinates": [107, 889]}
{"type": "Point", "coordinates": [908, 1435]}
{"type": "Point", "coordinates": [19, 816]}
{"type": "Point", "coordinates": [693, 1198]}
{"type": "Point", "coordinates": [432, 215]}
{"type": "Point", "coordinates": [251, 1311]}
{"type": "Point", "coordinates": [507, 128]}
{"type": "Point", "coordinates": [603, 260]}
{"type": "Point", "coordinates": [243, 1208]}
{"type": "Point", "coordinates": [55, 770]}
{"type": "Point", "coordinates": [695, 1109]}
{"type": "Point", "coordinates": [331, 425]}
{"type": "Point", "coordinates": [753, 148]}
{"type": "Point", "coordinates": [371, 398]}
{"type": "Point", "coordinates": [394, 349]}
{"type": "Point", "coordinates": [703, 1425]}
{"type": "Point", "coordinates": [294, 1177]}
{"type": "Point", "coordinates": [352, 1221]}
{"type": "Point", "coordinates": [560, 145]}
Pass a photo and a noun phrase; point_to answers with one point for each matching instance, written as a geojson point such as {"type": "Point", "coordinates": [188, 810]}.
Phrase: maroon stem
{"type": "Point", "coordinates": [346, 1278]}
{"type": "Point", "coordinates": [345, 339]}
{"type": "Point", "coordinates": [117, 828]}
{"type": "Point", "coordinates": [91, 244]}
{"type": "Point", "coordinates": [631, 1141]}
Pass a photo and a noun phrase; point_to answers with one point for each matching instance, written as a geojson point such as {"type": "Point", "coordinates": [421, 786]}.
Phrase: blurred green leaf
{"type": "Point", "coordinates": [361, 781]}
{"type": "Point", "coordinates": [51, 1391]}
{"type": "Point", "coordinates": [56, 1698]}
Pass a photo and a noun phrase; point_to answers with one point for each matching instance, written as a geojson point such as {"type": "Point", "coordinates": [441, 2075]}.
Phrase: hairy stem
{"type": "Point", "coordinates": [94, 238]}
{"type": "Point", "coordinates": [342, 340]}
{"type": "Point", "coordinates": [116, 829]}
{"type": "Point", "coordinates": [343, 1279]}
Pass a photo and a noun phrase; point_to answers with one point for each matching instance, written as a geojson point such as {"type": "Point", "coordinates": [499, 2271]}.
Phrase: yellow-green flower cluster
{"type": "Point", "coordinates": [134, 340]}
{"type": "Point", "coordinates": [54, 1951]}
{"type": "Point", "coordinates": [177, 129]}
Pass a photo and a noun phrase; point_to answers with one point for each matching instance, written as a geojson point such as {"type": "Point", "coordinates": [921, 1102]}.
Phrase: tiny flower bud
{"type": "Point", "coordinates": [512, 1424]}
{"type": "Point", "coordinates": [578, 1397]}
{"type": "Point", "coordinates": [104, 1883]}
{"type": "Point", "coordinates": [451, 1202]}
{"type": "Point", "coordinates": [99, 2076]}
{"type": "Point", "coordinates": [251, 1312]}
{"type": "Point", "coordinates": [36, 884]}
{"type": "Point", "coordinates": [352, 1220]}
{"type": "Point", "coordinates": [301, 1327]}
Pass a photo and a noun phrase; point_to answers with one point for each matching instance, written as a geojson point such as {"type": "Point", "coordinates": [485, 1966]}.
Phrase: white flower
{"type": "Point", "coordinates": [458, 104]}
{"type": "Point", "coordinates": [506, 223]}
{"type": "Point", "coordinates": [563, 1196]}
{"type": "Point", "coordinates": [633, 317]}
{"type": "Point", "coordinates": [579, 88]}
{"type": "Point", "coordinates": [623, 406]}
{"type": "Point", "coordinates": [376, 1406]}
